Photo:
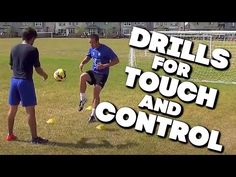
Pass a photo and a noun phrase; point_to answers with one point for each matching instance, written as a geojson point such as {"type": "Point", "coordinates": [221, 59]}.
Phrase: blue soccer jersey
{"type": "Point", "coordinates": [101, 55]}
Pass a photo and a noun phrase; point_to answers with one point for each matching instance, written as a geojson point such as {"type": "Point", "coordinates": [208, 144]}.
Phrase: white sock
{"type": "Point", "coordinates": [93, 112]}
{"type": "Point", "coordinates": [82, 96]}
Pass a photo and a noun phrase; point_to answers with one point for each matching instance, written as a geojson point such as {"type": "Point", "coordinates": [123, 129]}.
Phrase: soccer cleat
{"type": "Point", "coordinates": [11, 137]}
{"type": "Point", "coordinates": [81, 104]}
{"type": "Point", "coordinates": [92, 119]}
{"type": "Point", "coordinates": [39, 140]}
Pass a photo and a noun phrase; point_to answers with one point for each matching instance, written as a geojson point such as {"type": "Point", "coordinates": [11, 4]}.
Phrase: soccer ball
{"type": "Point", "coordinates": [59, 74]}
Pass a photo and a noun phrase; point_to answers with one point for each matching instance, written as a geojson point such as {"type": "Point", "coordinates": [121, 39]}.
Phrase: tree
{"type": "Point", "coordinates": [111, 32]}
{"type": "Point", "coordinates": [80, 30]}
{"type": "Point", "coordinates": [10, 31]}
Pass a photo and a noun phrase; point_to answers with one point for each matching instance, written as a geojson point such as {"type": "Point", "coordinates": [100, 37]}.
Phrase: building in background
{"type": "Point", "coordinates": [106, 29]}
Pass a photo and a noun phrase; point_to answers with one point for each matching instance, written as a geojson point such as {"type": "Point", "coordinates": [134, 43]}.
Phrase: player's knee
{"type": "Point", "coordinates": [97, 89]}
{"type": "Point", "coordinates": [13, 109]}
{"type": "Point", "coordinates": [30, 110]}
{"type": "Point", "coordinates": [84, 77]}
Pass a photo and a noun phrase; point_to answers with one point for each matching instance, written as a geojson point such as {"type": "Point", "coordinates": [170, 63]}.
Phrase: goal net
{"type": "Point", "coordinates": [200, 73]}
{"type": "Point", "coordinates": [45, 34]}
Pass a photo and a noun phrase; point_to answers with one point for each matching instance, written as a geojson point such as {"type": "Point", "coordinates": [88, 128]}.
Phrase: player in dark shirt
{"type": "Point", "coordinates": [23, 58]}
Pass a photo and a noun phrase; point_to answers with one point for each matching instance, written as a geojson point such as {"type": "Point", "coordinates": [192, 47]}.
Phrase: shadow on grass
{"type": "Point", "coordinates": [89, 144]}
{"type": "Point", "coordinates": [100, 143]}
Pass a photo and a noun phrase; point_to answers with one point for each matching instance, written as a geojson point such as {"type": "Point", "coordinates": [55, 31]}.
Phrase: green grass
{"type": "Point", "coordinates": [71, 134]}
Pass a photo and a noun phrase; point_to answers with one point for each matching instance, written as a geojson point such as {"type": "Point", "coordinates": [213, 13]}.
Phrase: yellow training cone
{"type": "Point", "coordinates": [101, 127]}
{"type": "Point", "coordinates": [51, 121]}
{"type": "Point", "coordinates": [89, 108]}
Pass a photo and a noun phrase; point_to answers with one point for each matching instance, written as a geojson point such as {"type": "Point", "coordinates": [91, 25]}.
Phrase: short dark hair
{"type": "Point", "coordinates": [94, 36]}
{"type": "Point", "coordinates": [29, 33]}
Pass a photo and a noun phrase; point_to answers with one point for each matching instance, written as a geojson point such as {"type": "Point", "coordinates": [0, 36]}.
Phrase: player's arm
{"type": "Point", "coordinates": [41, 72]}
{"type": "Point", "coordinates": [107, 65]}
{"type": "Point", "coordinates": [83, 62]}
{"type": "Point", "coordinates": [113, 59]}
{"type": "Point", "coordinates": [37, 65]}
{"type": "Point", "coordinates": [113, 62]}
{"type": "Point", "coordinates": [11, 61]}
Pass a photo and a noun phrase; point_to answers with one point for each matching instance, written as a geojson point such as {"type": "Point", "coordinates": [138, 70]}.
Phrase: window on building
{"type": "Point", "coordinates": [71, 30]}
{"type": "Point", "coordinates": [25, 23]}
{"type": "Point", "coordinates": [127, 23]}
{"type": "Point", "coordinates": [174, 24]}
{"type": "Point", "coordinates": [126, 31]}
{"type": "Point", "coordinates": [38, 24]}
{"type": "Point", "coordinates": [92, 31]}
{"type": "Point", "coordinates": [62, 24]}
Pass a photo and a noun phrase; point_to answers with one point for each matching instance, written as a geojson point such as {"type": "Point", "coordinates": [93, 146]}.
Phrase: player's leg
{"type": "Point", "coordinates": [14, 100]}
{"type": "Point", "coordinates": [96, 100]}
{"type": "Point", "coordinates": [11, 119]}
{"type": "Point", "coordinates": [29, 100]}
{"type": "Point", "coordinates": [96, 95]}
{"type": "Point", "coordinates": [84, 78]}
{"type": "Point", "coordinates": [100, 82]}
{"type": "Point", "coordinates": [30, 110]}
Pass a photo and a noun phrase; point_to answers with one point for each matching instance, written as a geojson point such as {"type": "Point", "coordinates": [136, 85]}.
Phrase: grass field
{"type": "Point", "coordinates": [72, 135]}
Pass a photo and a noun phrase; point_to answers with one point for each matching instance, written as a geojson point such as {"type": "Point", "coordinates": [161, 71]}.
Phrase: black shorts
{"type": "Point", "coordinates": [97, 79]}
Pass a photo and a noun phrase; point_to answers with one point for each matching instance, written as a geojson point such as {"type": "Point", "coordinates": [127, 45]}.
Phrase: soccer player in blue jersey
{"type": "Point", "coordinates": [23, 58]}
{"type": "Point", "coordinates": [103, 58]}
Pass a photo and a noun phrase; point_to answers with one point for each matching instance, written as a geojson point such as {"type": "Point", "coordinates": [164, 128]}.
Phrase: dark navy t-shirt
{"type": "Point", "coordinates": [101, 55]}
{"type": "Point", "coordinates": [23, 58]}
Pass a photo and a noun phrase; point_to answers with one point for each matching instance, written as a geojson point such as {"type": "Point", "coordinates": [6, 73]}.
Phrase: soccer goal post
{"type": "Point", "coordinates": [132, 58]}
{"type": "Point", "coordinates": [45, 34]}
{"type": "Point", "coordinates": [213, 39]}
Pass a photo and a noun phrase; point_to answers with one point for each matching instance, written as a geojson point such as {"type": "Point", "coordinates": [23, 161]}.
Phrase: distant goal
{"type": "Point", "coordinates": [213, 39]}
{"type": "Point", "coordinates": [45, 34]}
